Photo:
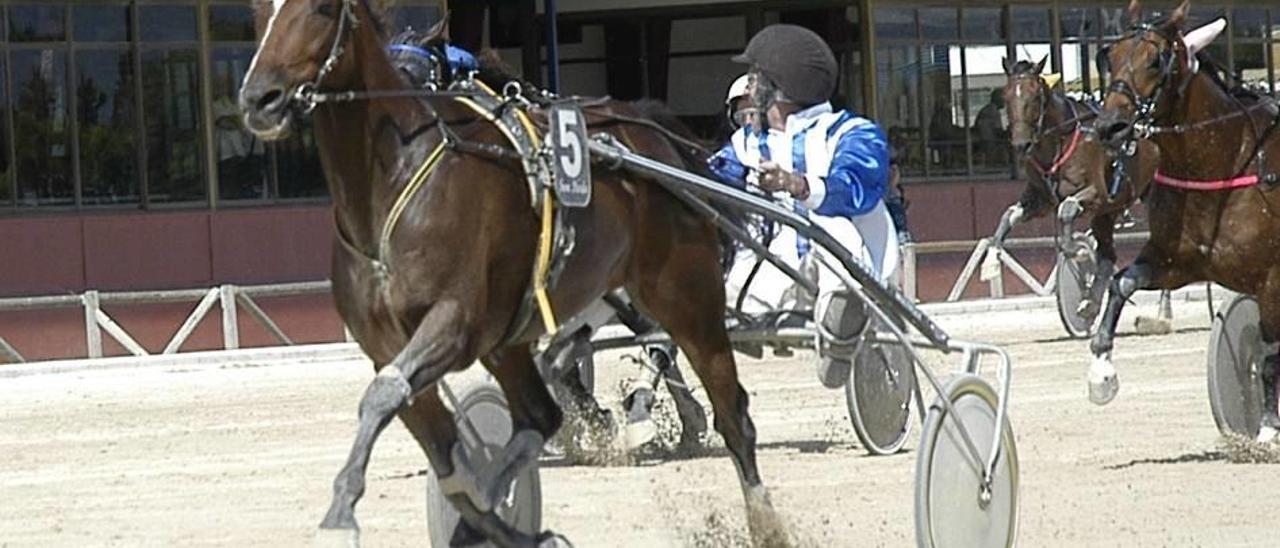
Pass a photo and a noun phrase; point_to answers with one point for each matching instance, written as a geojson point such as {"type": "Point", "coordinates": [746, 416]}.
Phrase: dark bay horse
{"type": "Point", "coordinates": [1068, 170]}
{"type": "Point", "coordinates": [432, 290]}
{"type": "Point", "coordinates": [1214, 209]}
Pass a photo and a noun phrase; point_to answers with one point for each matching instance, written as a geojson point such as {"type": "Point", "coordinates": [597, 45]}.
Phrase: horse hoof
{"type": "Point", "coordinates": [336, 538]}
{"type": "Point", "coordinates": [1267, 434]}
{"type": "Point", "coordinates": [552, 540]}
{"type": "Point", "coordinates": [1146, 325]}
{"type": "Point", "coordinates": [640, 433]}
{"type": "Point", "coordinates": [1103, 382]}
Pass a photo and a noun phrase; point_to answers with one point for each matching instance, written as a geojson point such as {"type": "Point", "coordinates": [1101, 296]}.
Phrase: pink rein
{"type": "Point", "coordinates": [1220, 184]}
{"type": "Point", "coordinates": [1062, 159]}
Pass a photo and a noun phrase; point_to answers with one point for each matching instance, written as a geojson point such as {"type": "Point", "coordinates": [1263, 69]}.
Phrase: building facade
{"type": "Point", "coordinates": [124, 165]}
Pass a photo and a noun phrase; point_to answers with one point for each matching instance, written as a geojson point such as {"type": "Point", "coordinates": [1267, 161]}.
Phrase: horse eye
{"type": "Point", "coordinates": [325, 8]}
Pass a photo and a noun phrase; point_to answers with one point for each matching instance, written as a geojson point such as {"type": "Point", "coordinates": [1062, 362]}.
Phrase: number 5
{"type": "Point", "coordinates": [572, 163]}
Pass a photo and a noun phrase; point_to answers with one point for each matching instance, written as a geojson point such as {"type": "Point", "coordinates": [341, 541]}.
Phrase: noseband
{"type": "Point", "coordinates": [1144, 120]}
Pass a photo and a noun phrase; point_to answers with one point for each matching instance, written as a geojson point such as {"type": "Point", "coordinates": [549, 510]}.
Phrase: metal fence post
{"type": "Point", "coordinates": [93, 333]}
{"type": "Point", "coordinates": [909, 270]}
{"type": "Point", "coordinates": [230, 327]}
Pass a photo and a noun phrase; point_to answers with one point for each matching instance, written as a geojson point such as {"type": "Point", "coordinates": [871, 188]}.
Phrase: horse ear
{"type": "Point", "coordinates": [1135, 12]}
{"type": "Point", "coordinates": [1040, 65]}
{"type": "Point", "coordinates": [1179, 15]}
{"type": "Point", "coordinates": [1201, 37]}
{"type": "Point", "coordinates": [1004, 61]}
{"type": "Point", "coordinates": [440, 30]}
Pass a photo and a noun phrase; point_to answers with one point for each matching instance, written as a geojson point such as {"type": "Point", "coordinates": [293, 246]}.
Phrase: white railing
{"type": "Point", "coordinates": [231, 299]}
{"type": "Point", "coordinates": [990, 266]}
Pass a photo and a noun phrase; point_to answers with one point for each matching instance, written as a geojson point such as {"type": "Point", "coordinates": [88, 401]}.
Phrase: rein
{"type": "Point", "coordinates": [1049, 172]}
{"type": "Point", "coordinates": [1145, 126]}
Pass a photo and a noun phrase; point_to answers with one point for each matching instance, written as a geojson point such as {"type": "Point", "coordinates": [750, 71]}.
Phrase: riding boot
{"type": "Point", "coordinates": [1270, 426]}
{"type": "Point", "coordinates": [844, 318]}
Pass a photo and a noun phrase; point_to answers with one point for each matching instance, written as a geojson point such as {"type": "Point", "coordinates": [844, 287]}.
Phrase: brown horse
{"type": "Point", "coordinates": [1067, 170]}
{"type": "Point", "coordinates": [1212, 210]}
{"type": "Point", "coordinates": [442, 287]}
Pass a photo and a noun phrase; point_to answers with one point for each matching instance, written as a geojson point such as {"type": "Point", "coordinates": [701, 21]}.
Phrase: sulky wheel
{"type": "Point", "coordinates": [1236, 352]}
{"type": "Point", "coordinates": [878, 394]}
{"type": "Point", "coordinates": [485, 407]}
{"type": "Point", "coordinates": [1074, 280]}
{"type": "Point", "coordinates": [952, 508]}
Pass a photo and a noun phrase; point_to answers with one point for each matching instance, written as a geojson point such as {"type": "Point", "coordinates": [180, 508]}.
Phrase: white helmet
{"type": "Point", "coordinates": [737, 89]}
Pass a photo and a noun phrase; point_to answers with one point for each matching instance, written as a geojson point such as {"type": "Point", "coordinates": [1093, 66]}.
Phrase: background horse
{"type": "Point", "coordinates": [432, 289]}
{"type": "Point", "coordinates": [1068, 171]}
{"type": "Point", "coordinates": [1213, 209]}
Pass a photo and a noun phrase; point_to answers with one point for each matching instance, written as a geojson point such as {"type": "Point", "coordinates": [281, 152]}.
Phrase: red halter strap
{"type": "Point", "coordinates": [1062, 158]}
{"type": "Point", "coordinates": [1219, 184]}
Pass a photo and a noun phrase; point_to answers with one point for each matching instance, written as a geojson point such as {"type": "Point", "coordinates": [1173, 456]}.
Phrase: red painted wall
{"type": "Point", "coordinates": [185, 249]}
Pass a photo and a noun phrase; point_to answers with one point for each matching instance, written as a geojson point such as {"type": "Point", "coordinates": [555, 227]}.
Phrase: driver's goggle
{"type": "Point", "coordinates": [744, 116]}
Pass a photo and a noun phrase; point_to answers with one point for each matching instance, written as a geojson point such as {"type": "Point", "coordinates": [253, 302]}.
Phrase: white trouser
{"type": "Point", "coordinates": [870, 237]}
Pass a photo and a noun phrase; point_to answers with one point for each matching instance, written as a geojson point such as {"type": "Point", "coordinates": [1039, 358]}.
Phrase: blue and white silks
{"type": "Point", "coordinates": [845, 159]}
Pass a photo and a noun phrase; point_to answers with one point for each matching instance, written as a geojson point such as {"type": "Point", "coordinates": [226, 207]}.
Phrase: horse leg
{"type": "Point", "coordinates": [693, 419]}
{"type": "Point", "coordinates": [438, 345]}
{"type": "Point", "coordinates": [1103, 226]}
{"type": "Point", "coordinates": [1103, 383]}
{"type": "Point", "coordinates": [1068, 210]}
{"type": "Point", "coordinates": [687, 298]}
{"type": "Point", "coordinates": [1269, 312]}
{"type": "Point", "coordinates": [434, 427]}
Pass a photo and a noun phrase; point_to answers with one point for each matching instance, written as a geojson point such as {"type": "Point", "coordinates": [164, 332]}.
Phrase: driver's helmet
{"type": "Point", "coordinates": [792, 61]}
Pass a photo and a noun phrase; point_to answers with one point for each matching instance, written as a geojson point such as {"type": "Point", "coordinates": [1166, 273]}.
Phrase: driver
{"type": "Point", "coordinates": [831, 165]}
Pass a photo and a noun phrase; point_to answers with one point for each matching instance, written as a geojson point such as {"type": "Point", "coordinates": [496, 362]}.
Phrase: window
{"type": "Point", "coordinates": [37, 23]}
{"type": "Point", "coordinates": [171, 111]}
{"type": "Point", "coordinates": [107, 118]}
{"type": "Point", "coordinates": [244, 169]}
{"type": "Point", "coordinates": [40, 117]}
{"type": "Point", "coordinates": [6, 166]}
{"type": "Point", "coordinates": [97, 23]}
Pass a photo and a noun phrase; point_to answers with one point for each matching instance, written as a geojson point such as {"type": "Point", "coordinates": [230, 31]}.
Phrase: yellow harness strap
{"type": "Point", "coordinates": [545, 240]}
{"type": "Point", "coordinates": [402, 201]}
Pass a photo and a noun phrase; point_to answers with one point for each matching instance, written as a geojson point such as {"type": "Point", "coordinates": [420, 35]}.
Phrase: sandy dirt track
{"type": "Point", "coordinates": [243, 454]}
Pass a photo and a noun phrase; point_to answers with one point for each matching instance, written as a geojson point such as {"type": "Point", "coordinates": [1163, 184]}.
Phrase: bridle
{"type": "Point", "coordinates": [1145, 107]}
{"type": "Point", "coordinates": [1065, 150]}
{"type": "Point", "coordinates": [1145, 124]}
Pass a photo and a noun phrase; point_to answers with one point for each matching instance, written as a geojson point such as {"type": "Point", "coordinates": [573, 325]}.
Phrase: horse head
{"type": "Point", "coordinates": [1150, 67]}
{"type": "Point", "coordinates": [1026, 96]}
{"type": "Point", "coordinates": [301, 48]}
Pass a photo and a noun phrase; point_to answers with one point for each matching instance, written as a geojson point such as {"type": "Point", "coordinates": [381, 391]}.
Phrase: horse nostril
{"type": "Point", "coordinates": [269, 101]}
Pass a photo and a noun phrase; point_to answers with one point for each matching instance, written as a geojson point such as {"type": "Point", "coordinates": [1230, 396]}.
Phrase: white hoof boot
{"type": "Point", "coordinates": [1103, 383]}
{"type": "Point", "coordinates": [336, 538]}
{"type": "Point", "coordinates": [555, 541]}
{"type": "Point", "coordinates": [640, 433]}
{"type": "Point", "coordinates": [1267, 434]}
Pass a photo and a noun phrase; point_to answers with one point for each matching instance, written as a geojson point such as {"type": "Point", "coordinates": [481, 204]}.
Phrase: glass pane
{"type": "Point", "coordinates": [1114, 22]}
{"type": "Point", "coordinates": [1078, 22]}
{"type": "Point", "coordinates": [982, 24]}
{"type": "Point", "coordinates": [108, 127]}
{"type": "Point", "coordinates": [944, 101]}
{"type": "Point", "coordinates": [37, 23]}
{"type": "Point", "coordinates": [1030, 25]}
{"type": "Point", "coordinates": [988, 121]}
{"type": "Point", "coordinates": [299, 172]}
{"type": "Point", "coordinates": [1251, 64]}
{"type": "Point", "coordinates": [167, 23]}
{"type": "Point", "coordinates": [244, 170]}
{"type": "Point", "coordinates": [171, 110]}
{"type": "Point", "coordinates": [418, 17]}
{"type": "Point", "coordinates": [939, 24]}
{"type": "Point", "coordinates": [102, 23]}
{"type": "Point", "coordinates": [1249, 22]}
{"type": "Point", "coordinates": [6, 166]}
{"type": "Point", "coordinates": [713, 34]}
{"type": "Point", "coordinates": [40, 117]}
{"type": "Point", "coordinates": [231, 23]}
{"type": "Point", "coordinates": [895, 23]}
{"type": "Point", "coordinates": [898, 93]}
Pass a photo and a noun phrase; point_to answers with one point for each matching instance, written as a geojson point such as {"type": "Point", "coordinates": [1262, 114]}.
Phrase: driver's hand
{"type": "Point", "coordinates": [773, 178]}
